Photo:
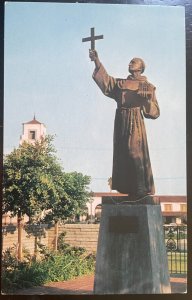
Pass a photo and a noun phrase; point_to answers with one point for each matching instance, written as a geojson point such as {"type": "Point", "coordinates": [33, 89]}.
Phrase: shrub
{"type": "Point", "coordinates": [67, 263]}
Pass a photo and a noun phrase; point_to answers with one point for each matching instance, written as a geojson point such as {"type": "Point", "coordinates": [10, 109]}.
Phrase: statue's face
{"type": "Point", "coordinates": [135, 65]}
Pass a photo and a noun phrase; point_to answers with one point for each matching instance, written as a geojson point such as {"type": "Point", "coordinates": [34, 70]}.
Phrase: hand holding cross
{"type": "Point", "coordinates": [94, 57]}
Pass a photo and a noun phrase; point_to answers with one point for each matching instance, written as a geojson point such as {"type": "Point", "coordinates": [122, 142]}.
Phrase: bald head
{"type": "Point", "coordinates": [136, 65]}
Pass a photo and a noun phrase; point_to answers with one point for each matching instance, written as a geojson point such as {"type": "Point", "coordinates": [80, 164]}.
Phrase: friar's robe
{"type": "Point", "coordinates": [132, 173]}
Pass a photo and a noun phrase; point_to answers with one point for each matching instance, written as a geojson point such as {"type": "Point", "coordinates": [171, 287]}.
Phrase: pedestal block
{"type": "Point", "coordinates": [131, 255]}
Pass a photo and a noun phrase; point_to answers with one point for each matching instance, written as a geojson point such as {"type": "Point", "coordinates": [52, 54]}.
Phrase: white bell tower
{"type": "Point", "coordinates": [32, 131]}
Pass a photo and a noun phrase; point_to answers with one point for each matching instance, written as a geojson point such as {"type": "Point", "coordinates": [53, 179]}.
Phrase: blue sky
{"type": "Point", "coordinates": [48, 72]}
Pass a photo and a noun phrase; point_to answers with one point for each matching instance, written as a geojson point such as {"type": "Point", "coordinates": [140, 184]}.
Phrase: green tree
{"type": "Point", "coordinates": [73, 202]}
{"type": "Point", "coordinates": [34, 181]}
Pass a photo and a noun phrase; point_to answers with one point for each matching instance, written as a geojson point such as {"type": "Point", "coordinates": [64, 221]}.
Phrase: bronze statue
{"type": "Point", "coordinates": [135, 97]}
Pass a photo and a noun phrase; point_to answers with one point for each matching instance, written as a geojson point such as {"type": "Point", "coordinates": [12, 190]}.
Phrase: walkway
{"type": "Point", "coordinates": [84, 285]}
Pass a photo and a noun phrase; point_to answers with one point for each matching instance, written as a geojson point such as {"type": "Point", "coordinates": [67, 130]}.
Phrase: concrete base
{"type": "Point", "coordinates": [131, 255]}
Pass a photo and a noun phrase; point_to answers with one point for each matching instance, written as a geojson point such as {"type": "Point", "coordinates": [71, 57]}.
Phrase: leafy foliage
{"type": "Point", "coordinates": [34, 181]}
{"type": "Point", "coordinates": [65, 264]}
{"type": "Point", "coordinates": [75, 198]}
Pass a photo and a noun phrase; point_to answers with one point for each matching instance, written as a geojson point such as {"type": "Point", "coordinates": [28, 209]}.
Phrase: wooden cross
{"type": "Point", "coordinates": [92, 38]}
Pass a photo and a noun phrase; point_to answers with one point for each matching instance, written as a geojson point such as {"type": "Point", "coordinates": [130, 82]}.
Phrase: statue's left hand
{"type": "Point", "coordinates": [145, 91]}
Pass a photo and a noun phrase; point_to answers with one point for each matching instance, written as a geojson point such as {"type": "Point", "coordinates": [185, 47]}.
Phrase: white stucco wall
{"type": "Point", "coordinates": [40, 130]}
{"type": "Point", "coordinates": [96, 201]}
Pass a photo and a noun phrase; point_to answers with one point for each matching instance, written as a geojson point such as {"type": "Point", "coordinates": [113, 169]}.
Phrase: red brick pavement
{"type": "Point", "coordinates": [84, 285]}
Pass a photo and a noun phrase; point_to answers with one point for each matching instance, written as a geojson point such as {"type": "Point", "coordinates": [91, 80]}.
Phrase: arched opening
{"type": "Point", "coordinates": [98, 210]}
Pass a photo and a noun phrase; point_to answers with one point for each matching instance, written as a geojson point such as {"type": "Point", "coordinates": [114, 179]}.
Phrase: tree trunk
{"type": "Point", "coordinates": [35, 248]}
{"type": "Point", "coordinates": [56, 235]}
{"type": "Point", "coordinates": [19, 223]}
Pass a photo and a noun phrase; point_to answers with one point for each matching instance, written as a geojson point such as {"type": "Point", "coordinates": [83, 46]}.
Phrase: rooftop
{"type": "Point", "coordinates": [34, 121]}
{"type": "Point", "coordinates": [162, 198]}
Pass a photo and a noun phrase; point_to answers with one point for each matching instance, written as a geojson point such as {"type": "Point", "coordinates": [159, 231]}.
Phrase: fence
{"type": "Point", "coordinates": [86, 235]}
{"type": "Point", "coordinates": [176, 245]}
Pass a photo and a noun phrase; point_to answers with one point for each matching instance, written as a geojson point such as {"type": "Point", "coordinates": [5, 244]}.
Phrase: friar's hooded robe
{"type": "Point", "coordinates": [132, 173]}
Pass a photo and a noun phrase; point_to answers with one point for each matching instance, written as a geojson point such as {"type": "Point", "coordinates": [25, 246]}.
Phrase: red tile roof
{"type": "Point", "coordinates": [162, 198]}
{"type": "Point", "coordinates": [34, 121]}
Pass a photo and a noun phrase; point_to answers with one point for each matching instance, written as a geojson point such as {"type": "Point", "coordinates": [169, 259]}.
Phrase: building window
{"type": "Point", "coordinates": [169, 220]}
{"type": "Point", "coordinates": [183, 207]}
{"type": "Point", "coordinates": [167, 207]}
{"type": "Point", "coordinates": [32, 134]}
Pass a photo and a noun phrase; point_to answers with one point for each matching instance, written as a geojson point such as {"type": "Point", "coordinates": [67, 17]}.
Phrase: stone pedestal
{"type": "Point", "coordinates": [131, 255]}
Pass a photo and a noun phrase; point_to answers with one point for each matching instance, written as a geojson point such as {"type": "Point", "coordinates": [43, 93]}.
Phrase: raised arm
{"type": "Point", "coordinates": [106, 83]}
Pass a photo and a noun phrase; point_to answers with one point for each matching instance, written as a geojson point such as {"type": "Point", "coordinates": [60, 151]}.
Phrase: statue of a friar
{"type": "Point", "coordinates": [135, 97]}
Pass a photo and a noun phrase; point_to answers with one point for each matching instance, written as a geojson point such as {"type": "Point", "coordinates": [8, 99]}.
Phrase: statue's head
{"type": "Point", "coordinates": [136, 65]}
